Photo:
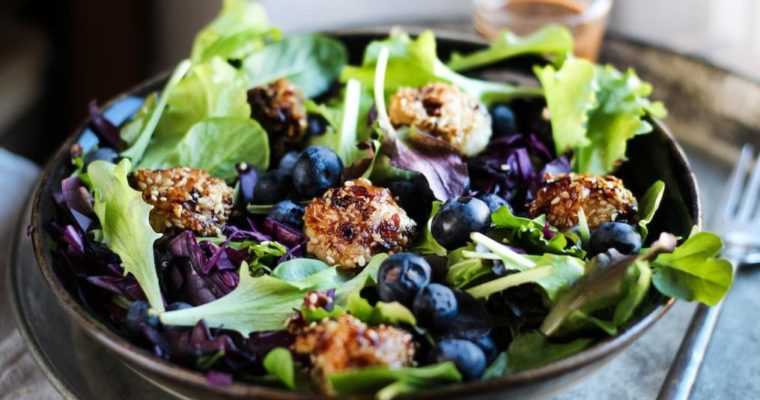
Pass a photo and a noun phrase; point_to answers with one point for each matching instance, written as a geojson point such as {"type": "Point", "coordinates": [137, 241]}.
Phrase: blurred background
{"type": "Point", "coordinates": [56, 55]}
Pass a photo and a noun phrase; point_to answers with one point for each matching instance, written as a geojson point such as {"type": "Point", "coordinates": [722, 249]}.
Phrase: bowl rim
{"type": "Point", "coordinates": [138, 358]}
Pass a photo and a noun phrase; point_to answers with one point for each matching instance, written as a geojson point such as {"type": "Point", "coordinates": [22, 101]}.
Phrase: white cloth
{"type": "Point", "coordinates": [20, 378]}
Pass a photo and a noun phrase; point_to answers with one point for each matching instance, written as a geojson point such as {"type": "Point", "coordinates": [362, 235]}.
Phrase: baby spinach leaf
{"type": "Point", "coordinates": [125, 225]}
{"type": "Point", "coordinates": [208, 146]}
{"type": "Point", "coordinates": [600, 283]}
{"type": "Point", "coordinates": [240, 28]}
{"type": "Point", "coordinates": [532, 349]}
{"type": "Point", "coordinates": [393, 313]}
{"type": "Point", "coordinates": [530, 234]}
{"type": "Point", "coordinates": [648, 205]}
{"type": "Point", "coordinates": [374, 379]}
{"type": "Point", "coordinates": [279, 363]}
{"type": "Point", "coordinates": [552, 40]}
{"type": "Point", "coordinates": [427, 243]}
{"type": "Point", "coordinates": [692, 272]}
{"type": "Point", "coordinates": [311, 62]}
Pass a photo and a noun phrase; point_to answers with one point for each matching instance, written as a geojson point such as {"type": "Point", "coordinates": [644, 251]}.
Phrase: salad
{"type": "Point", "coordinates": [278, 216]}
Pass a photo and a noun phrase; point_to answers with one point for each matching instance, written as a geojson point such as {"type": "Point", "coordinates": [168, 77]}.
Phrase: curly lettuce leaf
{"type": "Point", "coordinates": [415, 63]}
{"type": "Point", "coordinates": [622, 104]}
{"type": "Point", "coordinates": [125, 226]}
{"type": "Point", "coordinates": [570, 94]}
{"type": "Point", "coordinates": [311, 62]}
{"type": "Point", "coordinates": [388, 383]}
{"type": "Point", "coordinates": [240, 29]}
{"type": "Point", "coordinates": [595, 110]}
{"type": "Point", "coordinates": [554, 41]}
{"type": "Point", "coordinates": [692, 272]}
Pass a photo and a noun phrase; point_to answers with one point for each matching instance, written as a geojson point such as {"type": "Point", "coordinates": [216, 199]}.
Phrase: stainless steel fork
{"type": "Point", "coordinates": [739, 226]}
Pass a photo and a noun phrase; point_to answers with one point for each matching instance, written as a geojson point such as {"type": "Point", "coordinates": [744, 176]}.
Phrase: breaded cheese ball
{"type": "Point", "coordinates": [185, 198]}
{"type": "Point", "coordinates": [350, 224]}
{"type": "Point", "coordinates": [445, 112]}
{"type": "Point", "coordinates": [603, 199]}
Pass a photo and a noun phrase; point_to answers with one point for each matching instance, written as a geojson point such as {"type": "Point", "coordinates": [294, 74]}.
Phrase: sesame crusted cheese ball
{"type": "Point", "coordinates": [446, 112]}
{"type": "Point", "coordinates": [350, 224]}
{"type": "Point", "coordinates": [345, 343]}
{"type": "Point", "coordinates": [185, 198]}
{"type": "Point", "coordinates": [279, 108]}
{"type": "Point", "coordinates": [603, 199]}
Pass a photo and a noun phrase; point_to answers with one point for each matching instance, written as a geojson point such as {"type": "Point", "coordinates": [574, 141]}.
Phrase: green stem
{"type": "Point", "coordinates": [497, 285]}
{"type": "Point", "coordinates": [506, 255]}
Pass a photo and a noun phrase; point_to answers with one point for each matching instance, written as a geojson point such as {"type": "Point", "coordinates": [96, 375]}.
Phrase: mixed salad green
{"type": "Point", "coordinates": [275, 215]}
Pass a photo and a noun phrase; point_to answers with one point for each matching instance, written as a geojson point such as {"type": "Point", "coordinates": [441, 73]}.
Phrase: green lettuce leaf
{"type": "Point", "coordinates": [131, 131]}
{"type": "Point", "coordinates": [298, 269]}
{"type": "Point", "coordinates": [622, 104]}
{"type": "Point", "coordinates": [415, 63]}
{"type": "Point", "coordinates": [552, 40]}
{"type": "Point", "coordinates": [125, 226]}
{"type": "Point", "coordinates": [570, 94]}
{"type": "Point", "coordinates": [208, 145]}
{"type": "Point", "coordinates": [264, 303]}
{"type": "Point", "coordinates": [388, 383]}
{"type": "Point", "coordinates": [311, 62]}
{"type": "Point", "coordinates": [463, 270]}
{"type": "Point", "coordinates": [343, 138]}
{"type": "Point", "coordinates": [279, 363]}
{"type": "Point", "coordinates": [148, 119]}
{"type": "Point", "coordinates": [692, 272]}
{"type": "Point", "coordinates": [648, 205]}
{"type": "Point", "coordinates": [240, 29]}
{"type": "Point", "coordinates": [212, 89]}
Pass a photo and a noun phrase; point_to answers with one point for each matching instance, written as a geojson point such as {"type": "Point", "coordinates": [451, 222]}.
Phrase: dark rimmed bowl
{"type": "Point", "coordinates": [651, 157]}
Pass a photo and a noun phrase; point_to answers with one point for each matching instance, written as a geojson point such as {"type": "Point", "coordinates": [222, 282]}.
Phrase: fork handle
{"type": "Point", "coordinates": [683, 372]}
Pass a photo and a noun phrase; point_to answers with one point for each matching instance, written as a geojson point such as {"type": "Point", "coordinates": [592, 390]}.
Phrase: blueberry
{"type": "Point", "coordinates": [401, 277]}
{"type": "Point", "coordinates": [288, 212]}
{"type": "Point", "coordinates": [622, 237]}
{"type": "Point", "coordinates": [435, 306]}
{"type": "Point", "coordinates": [178, 305]}
{"type": "Point", "coordinates": [102, 153]}
{"type": "Point", "coordinates": [466, 355]}
{"type": "Point", "coordinates": [137, 314]}
{"type": "Point", "coordinates": [288, 161]}
{"type": "Point", "coordinates": [489, 348]}
{"type": "Point", "coordinates": [494, 201]}
{"type": "Point", "coordinates": [272, 187]}
{"type": "Point", "coordinates": [414, 196]}
{"type": "Point", "coordinates": [457, 218]}
{"type": "Point", "coordinates": [316, 125]}
{"type": "Point", "coordinates": [317, 169]}
{"type": "Point", "coordinates": [503, 121]}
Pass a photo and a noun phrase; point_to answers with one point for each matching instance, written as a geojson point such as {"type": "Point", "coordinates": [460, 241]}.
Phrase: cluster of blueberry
{"type": "Point", "coordinates": [446, 313]}
{"type": "Point", "coordinates": [308, 174]}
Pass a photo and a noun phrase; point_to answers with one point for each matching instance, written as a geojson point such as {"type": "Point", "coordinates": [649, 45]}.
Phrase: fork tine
{"type": "Point", "coordinates": [736, 183]}
{"type": "Point", "coordinates": [749, 200]}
